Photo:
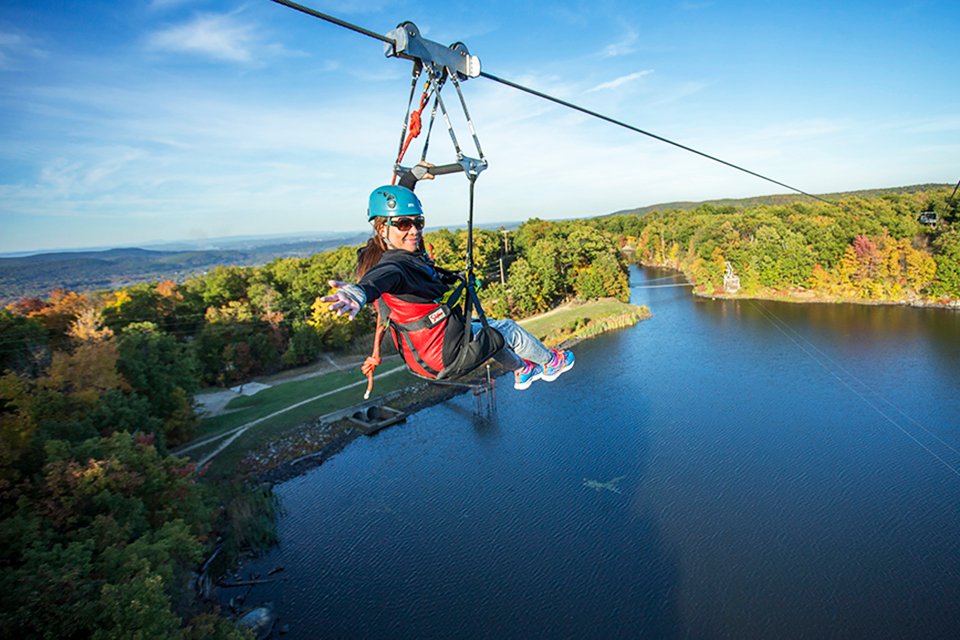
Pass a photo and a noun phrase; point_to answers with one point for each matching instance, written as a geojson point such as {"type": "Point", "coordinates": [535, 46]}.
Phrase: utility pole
{"type": "Point", "coordinates": [506, 249]}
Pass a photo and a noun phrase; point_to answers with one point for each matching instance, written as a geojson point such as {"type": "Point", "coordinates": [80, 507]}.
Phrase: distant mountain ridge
{"type": "Point", "coordinates": [779, 199]}
{"type": "Point", "coordinates": [38, 274]}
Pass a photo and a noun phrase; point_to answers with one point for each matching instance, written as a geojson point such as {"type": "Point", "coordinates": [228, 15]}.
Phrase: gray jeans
{"type": "Point", "coordinates": [520, 345]}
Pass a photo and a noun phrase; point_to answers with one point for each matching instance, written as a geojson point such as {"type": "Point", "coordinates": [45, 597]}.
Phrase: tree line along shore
{"type": "Point", "coordinates": [894, 248]}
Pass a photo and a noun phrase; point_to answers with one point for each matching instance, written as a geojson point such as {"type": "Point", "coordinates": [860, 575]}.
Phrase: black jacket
{"type": "Point", "coordinates": [408, 276]}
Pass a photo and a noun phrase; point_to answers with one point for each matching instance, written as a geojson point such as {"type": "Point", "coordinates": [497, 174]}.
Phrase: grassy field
{"type": "Point", "coordinates": [573, 321]}
{"type": "Point", "coordinates": [244, 409]}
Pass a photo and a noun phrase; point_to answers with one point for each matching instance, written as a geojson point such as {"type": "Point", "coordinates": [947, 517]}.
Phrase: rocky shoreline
{"type": "Point", "coordinates": [803, 297]}
{"type": "Point", "coordinates": [318, 441]}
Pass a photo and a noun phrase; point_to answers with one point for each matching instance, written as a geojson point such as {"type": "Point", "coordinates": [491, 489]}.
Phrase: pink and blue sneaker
{"type": "Point", "coordinates": [562, 361]}
{"type": "Point", "coordinates": [527, 375]}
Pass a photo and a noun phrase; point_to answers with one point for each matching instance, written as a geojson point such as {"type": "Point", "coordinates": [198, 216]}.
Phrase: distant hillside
{"type": "Point", "coordinates": [787, 198]}
{"type": "Point", "coordinates": [80, 271]}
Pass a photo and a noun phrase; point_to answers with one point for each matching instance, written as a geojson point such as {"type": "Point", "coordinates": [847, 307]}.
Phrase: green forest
{"type": "Point", "coordinates": [100, 526]}
{"type": "Point", "coordinates": [861, 249]}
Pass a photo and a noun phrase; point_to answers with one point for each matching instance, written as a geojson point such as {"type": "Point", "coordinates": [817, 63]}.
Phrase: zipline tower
{"type": "Point", "coordinates": [731, 281]}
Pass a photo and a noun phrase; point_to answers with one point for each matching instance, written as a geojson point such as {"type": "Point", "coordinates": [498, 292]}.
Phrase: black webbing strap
{"type": "Point", "coordinates": [470, 300]}
{"type": "Point", "coordinates": [405, 340]}
{"type": "Point", "coordinates": [433, 117]}
{"type": "Point", "coordinates": [427, 321]}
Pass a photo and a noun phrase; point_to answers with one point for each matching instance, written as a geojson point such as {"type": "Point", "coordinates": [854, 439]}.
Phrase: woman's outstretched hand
{"type": "Point", "coordinates": [348, 298]}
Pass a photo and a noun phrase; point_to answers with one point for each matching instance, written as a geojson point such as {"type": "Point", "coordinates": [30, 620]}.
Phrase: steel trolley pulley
{"type": "Point", "coordinates": [441, 63]}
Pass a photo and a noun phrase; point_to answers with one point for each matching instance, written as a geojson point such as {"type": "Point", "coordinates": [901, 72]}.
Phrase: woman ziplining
{"type": "Point", "coordinates": [435, 332]}
{"type": "Point", "coordinates": [435, 338]}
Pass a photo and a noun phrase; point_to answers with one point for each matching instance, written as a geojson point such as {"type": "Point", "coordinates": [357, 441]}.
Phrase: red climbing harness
{"type": "Point", "coordinates": [434, 340]}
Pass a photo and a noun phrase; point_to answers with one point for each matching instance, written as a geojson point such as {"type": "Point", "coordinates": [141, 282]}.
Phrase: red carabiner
{"type": "Point", "coordinates": [415, 126]}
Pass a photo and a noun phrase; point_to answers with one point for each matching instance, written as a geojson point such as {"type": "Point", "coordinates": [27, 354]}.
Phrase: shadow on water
{"type": "Point", "coordinates": [485, 422]}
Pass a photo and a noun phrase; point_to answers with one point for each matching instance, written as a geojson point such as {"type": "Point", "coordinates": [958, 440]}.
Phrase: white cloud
{"type": "Point", "coordinates": [678, 93]}
{"type": "Point", "coordinates": [947, 124]}
{"type": "Point", "coordinates": [619, 82]}
{"type": "Point", "coordinates": [222, 37]}
{"type": "Point", "coordinates": [621, 48]}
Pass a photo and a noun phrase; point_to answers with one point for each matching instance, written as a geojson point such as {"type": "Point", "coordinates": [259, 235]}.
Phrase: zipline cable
{"type": "Point", "coordinates": [564, 103]}
{"type": "Point", "coordinates": [850, 375]}
{"type": "Point", "coordinates": [954, 191]}
{"type": "Point", "coordinates": [336, 21]}
{"type": "Point", "coordinates": [619, 123]}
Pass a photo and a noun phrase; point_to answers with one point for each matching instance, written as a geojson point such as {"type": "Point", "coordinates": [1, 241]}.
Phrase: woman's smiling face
{"type": "Point", "coordinates": [398, 238]}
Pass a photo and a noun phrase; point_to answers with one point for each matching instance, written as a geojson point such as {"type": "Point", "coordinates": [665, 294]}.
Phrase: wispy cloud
{"type": "Point", "coordinates": [946, 124]}
{"type": "Point", "coordinates": [679, 93]}
{"type": "Point", "coordinates": [621, 48]}
{"type": "Point", "coordinates": [619, 82]}
{"type": "Point", "coordinates": [218, 36]}
{"type": "Point", "coordinates": [14, 46]}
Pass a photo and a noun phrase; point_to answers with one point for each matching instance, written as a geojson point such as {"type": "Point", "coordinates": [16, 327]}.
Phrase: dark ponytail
{"type": "Point", "coordinates": [370, 253]}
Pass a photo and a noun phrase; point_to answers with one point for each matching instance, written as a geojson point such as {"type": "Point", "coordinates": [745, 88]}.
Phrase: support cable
{"type": "Point", "coordinates": [466, 113]}
{"type": "Point", "coordinates": [446, 118]}
{"type": "Point", "coordinates": [406, 118]}
{"type": "Point", "coordinates": [433, 117]}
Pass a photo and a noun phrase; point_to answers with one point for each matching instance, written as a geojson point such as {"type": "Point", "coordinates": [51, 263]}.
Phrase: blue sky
{"type": "Point", "coordinates": [134, 122]}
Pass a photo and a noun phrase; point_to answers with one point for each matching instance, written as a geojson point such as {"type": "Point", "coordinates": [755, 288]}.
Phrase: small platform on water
{"type": "Point", "coordinates": [376, 418]}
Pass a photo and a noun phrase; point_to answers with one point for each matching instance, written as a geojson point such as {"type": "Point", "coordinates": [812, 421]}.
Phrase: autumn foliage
{"type": "Point", "coordinates": [861, 249]}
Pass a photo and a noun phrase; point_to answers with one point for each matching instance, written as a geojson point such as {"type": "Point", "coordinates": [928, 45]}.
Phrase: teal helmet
{"type": "Point", "coordinates": [390, 201]}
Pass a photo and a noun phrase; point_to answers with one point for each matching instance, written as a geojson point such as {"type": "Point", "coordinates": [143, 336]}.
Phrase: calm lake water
{"type": "Point", "coordinates": [727, 469]}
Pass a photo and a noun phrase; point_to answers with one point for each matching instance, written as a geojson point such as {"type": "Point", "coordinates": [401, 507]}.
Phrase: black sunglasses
{"type": "Point", "coordinates": [404, 224]}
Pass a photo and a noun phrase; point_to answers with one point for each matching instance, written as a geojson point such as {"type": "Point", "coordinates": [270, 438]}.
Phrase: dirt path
{"type": "Point", "coordinates": [236, 432]}
{"type": "Point", "coordinates": [213, 402]}
{"type": "Point", "coordinates": [545, 314]}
